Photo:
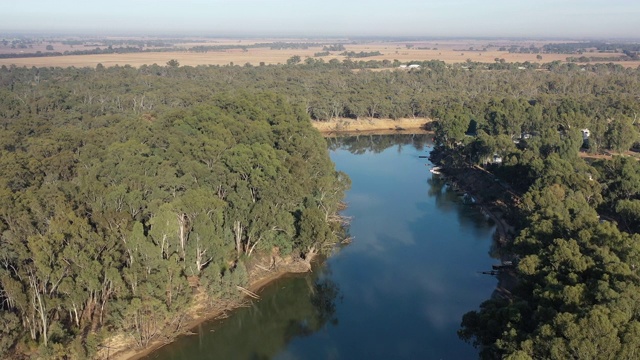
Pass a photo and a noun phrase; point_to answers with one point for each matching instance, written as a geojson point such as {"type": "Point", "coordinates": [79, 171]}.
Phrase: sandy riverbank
{"type": "Point", "coordinates": [122, 347]}
{"type": "Point", "coordinates": [343, 125]}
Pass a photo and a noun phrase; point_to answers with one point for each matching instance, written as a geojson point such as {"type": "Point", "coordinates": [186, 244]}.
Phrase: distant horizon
{"type": "Point", "coordinates": [195, 35]}
{"type": "Point", "coordinates": [542, 19]}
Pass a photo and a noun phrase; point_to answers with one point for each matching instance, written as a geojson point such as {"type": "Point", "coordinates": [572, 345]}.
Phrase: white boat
{"type": "Point", "coordinates": [435, 170]}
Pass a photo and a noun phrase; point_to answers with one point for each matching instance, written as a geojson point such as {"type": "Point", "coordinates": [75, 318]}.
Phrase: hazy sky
{"type": "Point", "coordinates": [473, 18]}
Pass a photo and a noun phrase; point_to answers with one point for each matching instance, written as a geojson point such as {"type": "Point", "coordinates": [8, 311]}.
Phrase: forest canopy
{"type": "Point", "coordinates": [111, 211]}
{"type": "Point", "coordinates": [576, 244]}
{"type": "Point", "coordinates": [123, 187]}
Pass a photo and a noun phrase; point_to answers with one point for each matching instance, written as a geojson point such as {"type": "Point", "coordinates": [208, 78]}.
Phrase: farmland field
{"type": "Point", "coordinates": [450, 51]}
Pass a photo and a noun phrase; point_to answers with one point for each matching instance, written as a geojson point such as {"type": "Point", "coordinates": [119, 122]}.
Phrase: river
{"type": "Point", "coordinates": [398, 291]}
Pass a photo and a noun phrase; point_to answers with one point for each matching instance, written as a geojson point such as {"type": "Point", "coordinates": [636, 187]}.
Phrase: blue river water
{"type": "Point", "coordinates": [398, 291]}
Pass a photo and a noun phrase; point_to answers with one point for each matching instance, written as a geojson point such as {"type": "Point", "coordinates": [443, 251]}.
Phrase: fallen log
{"type": "Point", "coordinates": [248, 292]}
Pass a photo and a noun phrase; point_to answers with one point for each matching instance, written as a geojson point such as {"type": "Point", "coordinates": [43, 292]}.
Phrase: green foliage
{"type": "Point", "coordinates": [335, 47]}
{"type": "Point", "coordinates": [451, 126]}
{"type": "Point", "coordinates": [111, 208]}
{"type": "Point", "coordinates": [621, 180]}
{"type": "Point", "coordinates": [629, 211]}
{"type": "Point", "coordinates": [577, 276]}
{"type": "Point", "coordinates": [621, 134]}
{"type": "Point", "coordinates": [10, 330]}
{"type": "Point", "coordinates": [312, 228]}
{"type": "Point", "coordinates": [293, 60]}
{"type": "Point", "coordinates": [120, 183]}
{"type": "Point", "coordinates": [361, 54]}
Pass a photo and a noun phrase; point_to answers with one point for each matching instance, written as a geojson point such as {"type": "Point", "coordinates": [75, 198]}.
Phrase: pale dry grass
{"type": "Point", "coordinates": [368, 125]}
{"type": "Point", "coordinates": [450, 51]}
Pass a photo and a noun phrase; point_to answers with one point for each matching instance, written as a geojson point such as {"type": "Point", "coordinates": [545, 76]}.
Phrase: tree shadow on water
{"type": "Point", "coordinates": [324, 293]}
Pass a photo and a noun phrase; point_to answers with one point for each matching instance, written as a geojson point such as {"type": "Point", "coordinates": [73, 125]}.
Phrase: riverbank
{"type": "Point", "coordinates": [496, 199]}
{"type": "Point", "coordinates": [263, 270]}
{"type": "Point", "coordinates": [377, 126]}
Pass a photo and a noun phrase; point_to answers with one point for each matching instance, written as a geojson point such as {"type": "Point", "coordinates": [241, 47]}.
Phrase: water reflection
{"type": "Point", "coordinates": [449, 200]}
{"type": "Point", "coordinates": [398, 291]}
{"type": "Point", "coordinates": [360, 144]}
{"type": "Point", "coordinates": [323, 295]}
{"type": "Point", "coordinates": [295, 306]}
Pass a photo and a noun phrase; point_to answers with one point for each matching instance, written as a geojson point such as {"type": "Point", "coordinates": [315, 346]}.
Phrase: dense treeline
{"type": "Point", "coordinates": [586, 59]}
{"type": "Point", "coordinates": [334, 47]}
{"type": "Point", "coordinates": [582, 47]}
{"type": "Point", "coordinates": [123, 42]}
{"type": "Point", "coordinates": [273, 46]}
{"type": "Point", "coordinates": [361, 54]}
{"type": "Point", "coordinates": [124, 187]}
{"type": "Point", "coordinates": [332, 89]}
{"type": "Point", "coordinates": [577, 244]}
{"type": "Point", "coordinates": [113, 207]}
{"type": "Point", "coordinates": [94, 51]}
{"type": "Point", "coordinates": [146, 46]}
{"type": "Point", "coordinates": [577, 296]}
{"type": "Point", "coordinates": [629, 49]}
